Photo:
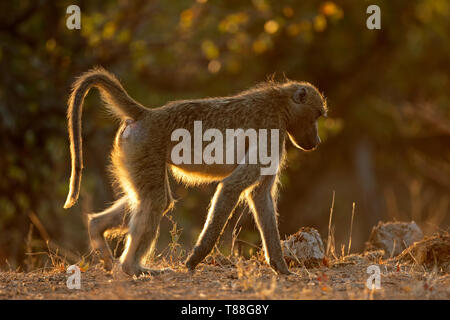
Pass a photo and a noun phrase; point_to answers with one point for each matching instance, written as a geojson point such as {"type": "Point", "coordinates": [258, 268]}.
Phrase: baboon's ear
{"type": "Point", "coordinates": [299, 95]}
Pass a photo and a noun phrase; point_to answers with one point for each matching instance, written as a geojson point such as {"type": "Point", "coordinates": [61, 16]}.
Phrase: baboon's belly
{"type": "Point", "coordinates": [200, 173]}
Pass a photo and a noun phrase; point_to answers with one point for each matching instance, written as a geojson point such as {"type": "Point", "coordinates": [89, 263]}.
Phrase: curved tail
{"type": "Point", "coordinates": [119, 103]}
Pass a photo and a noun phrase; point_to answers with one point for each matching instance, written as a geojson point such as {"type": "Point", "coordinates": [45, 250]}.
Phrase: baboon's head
{"type": "Point", "coordinates": [306, 105]}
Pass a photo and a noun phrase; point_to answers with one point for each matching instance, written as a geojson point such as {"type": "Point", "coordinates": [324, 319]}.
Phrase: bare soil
{"type": "Point", "coordinates": [343, 278]}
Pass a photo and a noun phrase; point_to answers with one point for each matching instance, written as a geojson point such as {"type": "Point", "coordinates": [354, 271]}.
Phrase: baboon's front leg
{"type": "Point", "coordinates": [222, 205]}
{"type": "Point", "coordinates": [98, 223]}
{"type": "Point", "coordinates": [262, 205]}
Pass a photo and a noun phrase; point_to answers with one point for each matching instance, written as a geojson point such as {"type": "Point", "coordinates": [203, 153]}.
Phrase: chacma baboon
{"type": "Point", "coordinates": [141, 159]}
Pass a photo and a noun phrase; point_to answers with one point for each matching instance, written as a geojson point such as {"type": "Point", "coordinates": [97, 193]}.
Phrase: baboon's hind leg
{"type": "Point", "coordinates": [154, 201]}
{"type": "Point", "coordinates": [98, 223]}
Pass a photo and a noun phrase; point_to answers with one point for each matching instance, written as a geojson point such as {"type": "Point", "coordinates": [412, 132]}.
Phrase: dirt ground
{"type": "Point", "coordinates": [343, 278]}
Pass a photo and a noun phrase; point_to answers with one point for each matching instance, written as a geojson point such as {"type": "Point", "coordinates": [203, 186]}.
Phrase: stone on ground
{"type": "Point", "coordinates": [431, 252]}
{"type": "Point", "coordinates": [393, 237]}
{"type": "Point", "coordinates": [305, 247]}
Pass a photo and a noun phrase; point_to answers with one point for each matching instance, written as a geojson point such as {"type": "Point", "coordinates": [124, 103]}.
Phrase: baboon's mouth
{"type": "Point", "coordinates": [309, 147]}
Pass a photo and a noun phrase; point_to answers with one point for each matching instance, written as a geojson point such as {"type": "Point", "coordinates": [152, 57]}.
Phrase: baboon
{"type": "Point", "coordinates": [141, 160]}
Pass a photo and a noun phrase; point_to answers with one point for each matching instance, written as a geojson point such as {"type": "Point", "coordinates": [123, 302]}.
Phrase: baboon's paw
{"type": "Point", "coordinates": [105, 258]}
{"type": "Point", "coordinates": [191, 270]}
{"type": "Point", "coordinates": [285, 273]}
{"type": "Point", "coordinates": [280, 268]}
{"type": "Point", "coordinates": [139, 270]}
{"type": "Point", "coordinates": [156, 272]}
{"type": "Point", "coordinates": [191, 262]}
{"type": "Point", "coordinates": [108, 264]}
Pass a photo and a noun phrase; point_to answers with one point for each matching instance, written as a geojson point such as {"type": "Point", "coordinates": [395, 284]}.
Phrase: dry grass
{"type": "Point", "coordinates": [420, 272]}
{"type": "Point", "coordinates": [246, 279]}
{"type": "Point", "coordinates": [431, 253]}
{"type": "Point", "coordinates": [234, 277]}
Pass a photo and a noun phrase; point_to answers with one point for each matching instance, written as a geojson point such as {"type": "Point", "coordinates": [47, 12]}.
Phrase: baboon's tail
{"type": "Point", "coordinates": [119, 103]}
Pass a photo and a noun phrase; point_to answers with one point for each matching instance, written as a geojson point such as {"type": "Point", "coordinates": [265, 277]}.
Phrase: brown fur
{"type": "Point", "coordinates": [141, 161]}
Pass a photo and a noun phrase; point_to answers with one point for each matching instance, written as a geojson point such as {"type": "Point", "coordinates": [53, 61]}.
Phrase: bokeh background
{"type": "Point", "coordinates": [385, 145]}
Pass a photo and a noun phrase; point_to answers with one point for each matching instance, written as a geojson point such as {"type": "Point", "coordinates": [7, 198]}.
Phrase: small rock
{"type": "Point", "coordinates": [393, 237]}
{"type": "Point", "coordinates": [430, 252]}
{"type": "Point", "coordinates": [305, 246]}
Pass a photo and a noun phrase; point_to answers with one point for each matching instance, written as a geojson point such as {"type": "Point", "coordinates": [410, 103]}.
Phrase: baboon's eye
{"type": "Point", "coordinates": [299, 96]}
